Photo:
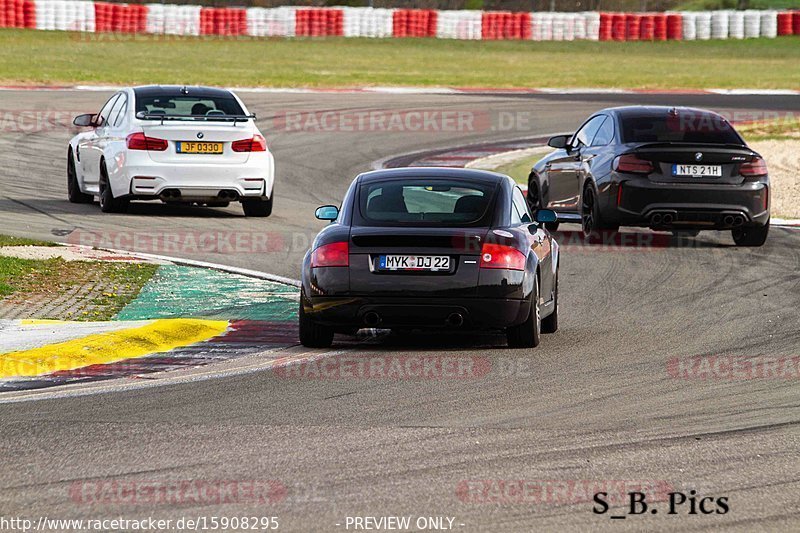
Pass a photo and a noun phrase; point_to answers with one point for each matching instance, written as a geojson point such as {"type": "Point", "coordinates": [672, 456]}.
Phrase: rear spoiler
{"type": "Point", "coordinates": [144, 115]}
{"type": "Point", "coordinates": [689, 145]}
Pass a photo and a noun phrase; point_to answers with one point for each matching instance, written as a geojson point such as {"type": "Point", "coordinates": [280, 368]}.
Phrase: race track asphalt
{"type": "Point", "coordinates": [598, 402]}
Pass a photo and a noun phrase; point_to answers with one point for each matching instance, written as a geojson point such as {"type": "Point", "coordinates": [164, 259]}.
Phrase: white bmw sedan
{"type": "Point", "coordinates": [189, 145]}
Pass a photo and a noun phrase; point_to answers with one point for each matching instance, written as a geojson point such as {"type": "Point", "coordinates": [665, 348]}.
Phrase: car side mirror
{"type": "Point", "coordinates": [544, 216]}
{"type": "Point", "coordinates": [327, 212]}
{"type": "Point", "coordinates": [559, 141]}
{"type": "Point", "coordinates": [84, 121]}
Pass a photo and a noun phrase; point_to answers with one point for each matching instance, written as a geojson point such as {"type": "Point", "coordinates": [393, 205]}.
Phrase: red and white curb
{"type": "Point", "coordinates": [438, 90]}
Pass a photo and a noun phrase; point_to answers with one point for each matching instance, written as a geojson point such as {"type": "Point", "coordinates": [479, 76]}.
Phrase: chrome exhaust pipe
{"type": "Point", "coordinates": [728, 220]}
{"type": "Point", "coordinates": [738, 220]}
{"type": "Point", "coordinates": [372, 319]}
{"type": "Point", "coordinates": [455, 320]}
{"type": "Point", "coordinates": [668, 218]}
{"type": "Point", "coordinates": [656, 219]}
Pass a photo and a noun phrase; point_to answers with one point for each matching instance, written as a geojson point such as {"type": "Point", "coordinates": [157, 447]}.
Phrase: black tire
{"type": "Point", "coordinates": [550, 323]}
{"type": "Point", "coordinates": [73, 189]}
{"type": "Point", "coordinates": [592, 223]}
{"type": "Point", "coordinates": [527, 334]}
{"type": "Point", "coordinates": [313, 335]}
{"type": "Point", "coordinates": [109, 204]}
{"type": "Point", "coordinates": [535, 201]}
{"type": "Point", "coordinates": [257, 207]}
{"type": "Point", "coordinates": [532, 196]}
{"type": "Point", "coordinates": [751, 235]}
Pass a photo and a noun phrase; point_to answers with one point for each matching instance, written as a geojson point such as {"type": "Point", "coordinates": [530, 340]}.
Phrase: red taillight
{"type": "Point", "coordinates": [501, 256]}
{"type": "Point", "coordinates": [756, 167]}
{"type": "Point", "coordinates": [335, 254]}
{"type": "Point", "coordinates": [631, 163]}
{"type": "Point", "coordinates": [256, 144]}
{"type": "Point", "coordinates": [619, 194]}
{"type": "Point", "coordinates": [139, 141]}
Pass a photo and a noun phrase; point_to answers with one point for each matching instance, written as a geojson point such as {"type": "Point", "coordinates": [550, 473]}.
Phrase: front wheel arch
{"type": "Point", "coordinates": [74, 193]}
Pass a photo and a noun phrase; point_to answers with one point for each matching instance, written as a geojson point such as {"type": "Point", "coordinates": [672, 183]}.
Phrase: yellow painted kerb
{"type": "Point", "coordinates": [158, 336]}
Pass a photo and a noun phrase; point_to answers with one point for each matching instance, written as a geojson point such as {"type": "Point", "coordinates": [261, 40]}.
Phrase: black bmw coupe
{"type": "Point", "coordinates": [421, 248]}
{"type": "Point", "coordinates": [666, 168]}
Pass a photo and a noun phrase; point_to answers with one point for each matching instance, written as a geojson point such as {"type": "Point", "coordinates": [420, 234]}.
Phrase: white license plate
{"type": "Point", "coordinates": [433, 263]}
{"type": "Point", "coordinates": [712, 171]}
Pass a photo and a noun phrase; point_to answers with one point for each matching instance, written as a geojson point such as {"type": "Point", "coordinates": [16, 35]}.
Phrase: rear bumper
{"type": "Point", "coordinates": [427, 313]}
{"type": "Point", "coordinates": [146, 178]}
{"type": "Point", "coordinates": [701, 206]}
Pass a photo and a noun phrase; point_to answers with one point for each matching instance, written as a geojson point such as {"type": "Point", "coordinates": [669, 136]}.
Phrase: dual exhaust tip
{"type": "Point", "coordinates": [171, 194]}
{"type": "Point", "coordinates": [733, 220]}
{"type": "Point", "coordinates": [665, 219]}
{"type": "Point", "coordinates": [228, 195]}
{"type": "Point", "coordinates": [175, 194]}
{"type": "Point", "coordinates": [373, 319]}
{"type": "Point", "coordinates": [659, 218]}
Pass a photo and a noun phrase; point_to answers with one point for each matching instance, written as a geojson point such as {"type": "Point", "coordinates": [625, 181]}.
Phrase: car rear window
{"type": "Point", "coordinates": [425, 202]}
{"type": "Point", "coordinates": [187, 105]}
{"type": "Point", "coordinates": [681, 127]}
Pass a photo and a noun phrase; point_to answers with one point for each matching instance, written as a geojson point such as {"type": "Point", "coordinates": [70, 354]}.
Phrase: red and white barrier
{"type": "Point", "coordinates": [462, 24]}
{"type": "Point", "coordinates": [368, 22]}
{"type": "Point", "coordinates": [120, 18]}
{"type": "Point", "coordinates": [274, 22]}
{"type": "Point", "coordinates": [170, 19]}
{"type": "Point", "coordinates": [414, 23]}
{"type": "Point", "coordinates": [17, 14]}
{"type": "Point", "coordinates": [736, 25]}
{"type": "Point", "coordinates": [505, 26]}
{"type": "Point", "coordinates": [752, 23]}
{"type": "Point", "coordinates": [542, 26]}
{"type": "Point", "coordinates": [592, 20]}
{"type": "Point", "coordinates": [769, 24]}
{"type": "Point", "coordinates": [319, 22]}
{"type": "Point", "coordinates": [703, 26]}
{"type": "Point", "coordinates": [65, 15]}
{"type": "Point", "coordinates": [720, 24]}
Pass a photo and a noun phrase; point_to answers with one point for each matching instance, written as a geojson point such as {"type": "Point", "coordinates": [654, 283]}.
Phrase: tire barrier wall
{"type": "Point", "coordinates": [170, 19]}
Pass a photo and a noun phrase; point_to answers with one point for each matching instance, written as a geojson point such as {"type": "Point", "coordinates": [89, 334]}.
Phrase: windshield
{"type": "Point", "coordinates": [187, 106]}
{"type": "Point", "coordinates": [683, 127]}
{"type": "Point", "coordinates": [425, 201]}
